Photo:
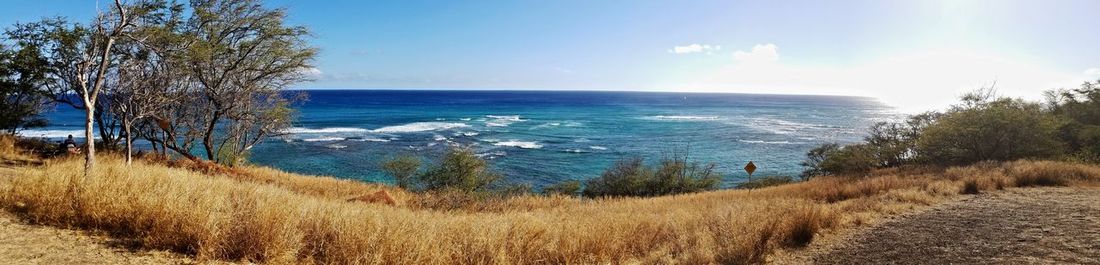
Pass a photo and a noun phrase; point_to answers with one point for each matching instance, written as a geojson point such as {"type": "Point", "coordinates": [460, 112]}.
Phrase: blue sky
{"type": "Point", "coordinates": [913, 54]}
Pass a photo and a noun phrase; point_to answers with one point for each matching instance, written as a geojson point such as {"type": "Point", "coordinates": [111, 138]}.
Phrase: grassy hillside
{"type": "Point", "coordinates": [265, 215]}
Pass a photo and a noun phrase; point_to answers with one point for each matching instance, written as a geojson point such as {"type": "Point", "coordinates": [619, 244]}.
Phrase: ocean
{"type": "Point", "coordinates": [544, 137]}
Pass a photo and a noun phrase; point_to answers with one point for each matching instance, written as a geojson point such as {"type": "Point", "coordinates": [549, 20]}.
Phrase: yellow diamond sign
{"type": "Point", "coordinates": [750, 168]}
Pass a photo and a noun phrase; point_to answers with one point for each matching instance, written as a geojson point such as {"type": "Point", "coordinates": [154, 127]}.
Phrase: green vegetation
{"type": "Point", "coordinates": [631, 177]}
{"type": "Point", "coordinates": [21, 103]}
{"type": "Point", "coordinates": [459, 170]}
{"type": "Point", "coordinates": [1080, 109]}
{"type": "Point", "coordinates": [203, 79]}
{"type": "Point", "coordinates": [403, 168]}
{"type": "Point", "coordinates": [982, 127]}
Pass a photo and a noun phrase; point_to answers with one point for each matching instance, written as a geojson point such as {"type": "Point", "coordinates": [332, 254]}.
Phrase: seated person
{"type": "Point", "coordinates": [69, 145]}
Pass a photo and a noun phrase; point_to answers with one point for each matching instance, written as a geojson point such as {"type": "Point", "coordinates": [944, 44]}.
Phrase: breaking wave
{"type": "Point", "coordinates": [300, 130]}
{"type": "Point", "coordinates": [520, 144]}
{"type": "Point", "coordinates": [768, 142]}
{"type": "Point", "coordinates": [323, 139]}
{"type": "Point", "coordinates": [683, 118]}
{"type": "Point", "coordinates": [54, 133]}
{"type": "Point", "coordinates": [420, 127]}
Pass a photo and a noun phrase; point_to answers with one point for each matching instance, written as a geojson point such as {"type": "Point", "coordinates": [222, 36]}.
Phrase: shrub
{"type": "Point", "coordinates": [402, 168]}
{"type": "Point", "coordinates": [631, 177]}
{"type": "Point", "coordinates": [570, 188]}
{"type": "Point", "coordinates": [832, 159]}
{"type": "Point", "coordinates": [984, 128]}
{"type": "Point", "coordinates": [766, 181]}
{"type": "Point", "coordinates": [799, 229]}
{"type": "Point", "coordinates": [814, 159]}
{"type": "Point", "coordinates": [970, 187]}
{"type": "Point", "coordinates": [459, 170]}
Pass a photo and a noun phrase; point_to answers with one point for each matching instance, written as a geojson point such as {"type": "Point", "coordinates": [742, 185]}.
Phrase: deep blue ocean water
{"type": "Point", "coordinates": [543, 137]}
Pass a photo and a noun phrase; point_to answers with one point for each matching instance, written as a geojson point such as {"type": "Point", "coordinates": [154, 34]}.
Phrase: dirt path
{"type": "Point", "coordinates": [1017, 226]}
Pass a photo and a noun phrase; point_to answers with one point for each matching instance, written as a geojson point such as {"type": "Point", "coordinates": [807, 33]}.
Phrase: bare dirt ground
{"type": "Point", "coordinates": [22, 243]}
{"type": "Point", "coordinates": [1016, 226]}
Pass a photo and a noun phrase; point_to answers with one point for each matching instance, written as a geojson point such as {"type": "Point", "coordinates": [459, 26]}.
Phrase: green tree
{"type": "Point", "coordinates": [570, 188]}
{"type": "Point", "coordinates": [985, 127]}
{"type": "Point", "coordinates": [631, 177]}
{"type": "Point", "coordinates": [22, 72]}
{"type": "Point", "coordinates": [1080, 108]}
{"type": "Point", "coordinates": [403, 169]}
{"type": "Point", "coordinates": [78, 58]}
{"type": "Point", "coordinates": [815, 158]}
{"type": "Point", "coordinates": [242, 55]}
{"type": "Point", "coordinates": [460, 169]}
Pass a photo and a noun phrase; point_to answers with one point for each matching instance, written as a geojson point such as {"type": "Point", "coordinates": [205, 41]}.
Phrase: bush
{"type": "Point", "coordinates": [631, 177]}
{"type": "Point", "coordinates": [970, 187]}
{"type": "Point", "coordinates": [832, 159]}
{"type": "Point", "coordinates": [570, 188]}
{"type": "Point", "coordinates": [766, 181]}
{"type": "Point", "coordinates": [984, 128]}
{"type": "Point", "coordinates": [459, 170]}
{"type": "Point", "coordinates": [402, 168]}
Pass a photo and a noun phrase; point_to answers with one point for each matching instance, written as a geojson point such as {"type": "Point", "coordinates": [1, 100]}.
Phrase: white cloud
{"type": "Point", "coordinates": [915, 81]}
{"type": "Point", "coordinates": [694, 48]}
{"type": "Point", "coordinates": [311, 72]}
{"type": "Point", "coordinates": [761, 53]}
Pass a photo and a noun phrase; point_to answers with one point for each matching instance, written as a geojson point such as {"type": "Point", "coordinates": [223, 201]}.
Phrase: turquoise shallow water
{"type": "Point", "coordinates": [542, 137]}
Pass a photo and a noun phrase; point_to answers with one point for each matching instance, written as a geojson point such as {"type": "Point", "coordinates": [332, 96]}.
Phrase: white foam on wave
{"type": "Point", "coordinates": [767, 142]}
{"type": "Point", "coordinates": [336, 146]}
{"type": "Point", "coordinates": [683, 118]}
{"type": "Point", "coordinates": [575, 151]}
{"type": "Point", "coordinates": [420, 127]}
{"type": "Point", "coordinates": [492, 155]}
{"type": "Point", "coordinates": [520, 144]}
{"type": "Point", "coordinates": [546, 125]}
{"type": "Point", "coordinates": [439, 137]}
{"type": "Point", "coordinates": [370, 140]}
{"type": "Point", "coordinates": [502, 120]}
{"type": "Point", "coordinates": [467, 134]}
{"type": "Point", "coordinates": [54, 133]}
{"type": "Point", "coordinates": [505, 117]}
{"type": "Point", "coordinates": [466, 119]}
{"type": "Point", "coordinates": [779, 126]}
{"type": "Point", "coordinates": [300, 130]}
{"type": "Point", "coordinates": [323, 139]}
{"type": "Point", "coordinates": [597, 147]}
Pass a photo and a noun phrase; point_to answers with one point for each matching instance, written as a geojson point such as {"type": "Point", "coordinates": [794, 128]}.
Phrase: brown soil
{"type": "Point", "coordinates": [1017, 226]}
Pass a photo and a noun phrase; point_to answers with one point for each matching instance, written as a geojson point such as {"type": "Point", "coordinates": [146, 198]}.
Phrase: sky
{"type": "Point", "coordinates": [915, 55]}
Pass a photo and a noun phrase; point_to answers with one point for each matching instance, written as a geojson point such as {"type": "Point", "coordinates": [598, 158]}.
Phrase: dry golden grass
{"type": "Point", "coordinates": [9, 151]}
{"type": "Point", "coordinates": [272, 216]}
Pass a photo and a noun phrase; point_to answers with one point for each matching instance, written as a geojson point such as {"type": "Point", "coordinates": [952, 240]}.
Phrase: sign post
{"type": "Point", "coordinates": [750, 168]}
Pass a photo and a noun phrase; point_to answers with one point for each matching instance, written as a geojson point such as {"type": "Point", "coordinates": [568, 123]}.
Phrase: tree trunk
{"type": "Point", "coordinates": [208, 137]}
{"type": "Point", "coordinates": [129, 141]}
{"type": "Point", "coordinates": [89, 139]}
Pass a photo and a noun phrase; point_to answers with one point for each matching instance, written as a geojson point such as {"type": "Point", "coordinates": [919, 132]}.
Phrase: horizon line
{"type": "Point", "coordinates": [570, 90]}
